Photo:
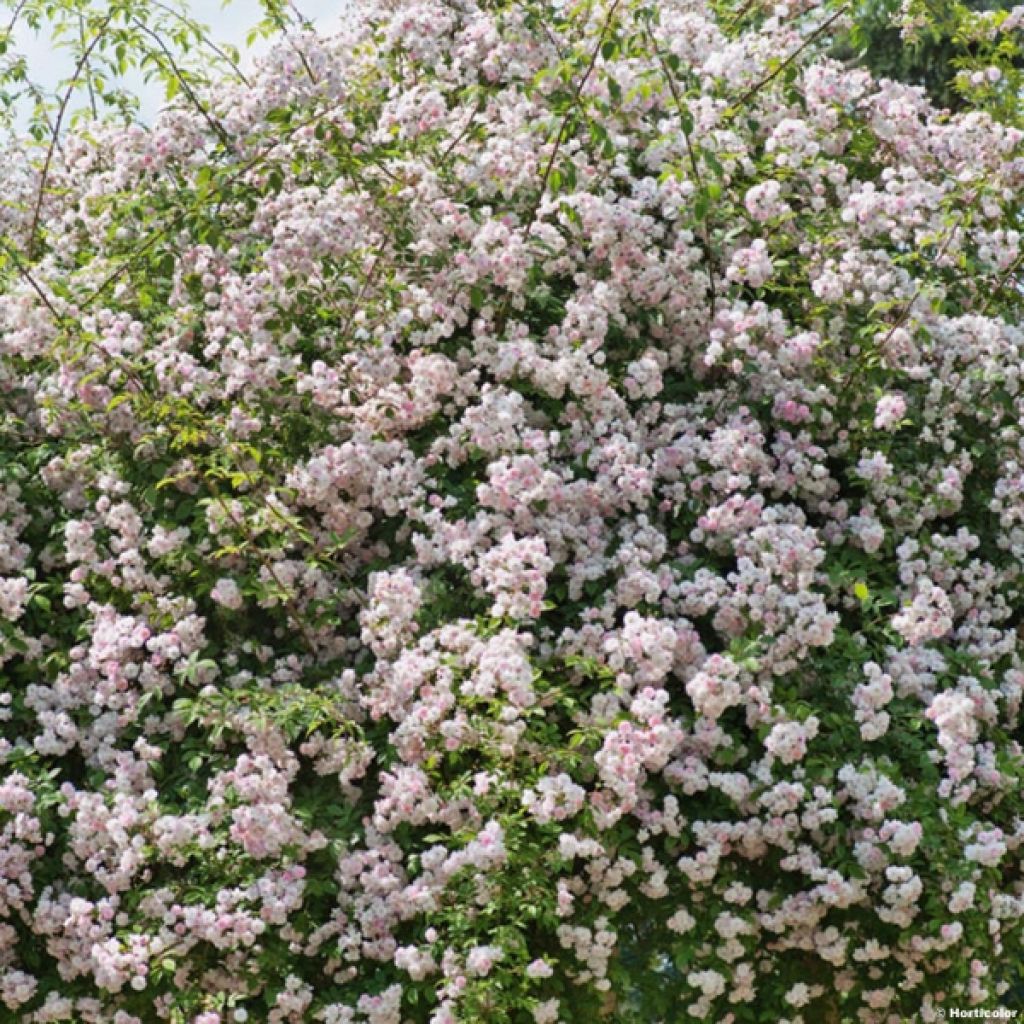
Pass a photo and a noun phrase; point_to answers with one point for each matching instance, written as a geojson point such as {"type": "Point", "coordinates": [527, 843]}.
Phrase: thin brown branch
{"type": "Point", "coordinates": [63, 320]}
{"type": "Point", "coordinates": [738, 16]}
{"type": "Point", "coordinates": [909, 305]}
{"type": "Point", "coordinates": [698, 178]}
{"type": "Point", "coordinates": [88, 78]}
{"type": "Point", "coordinates": [215, 126]}
{"type": "Point", "coordinates": [287, 597]}
{"type": "Point", "coordinates": [15, 16]}
{"type": "Point", "coordinates": [580, 85]}
{"type": "Point", "coordinates": [179, 219]}
{"type": "Point", "coordinates": [820, 30]}
{"type": "Point", "coordinates": [31, 281]}
{"type": "Point", "coordinates": [305, 24]}
{"type": "Point", "coordinates": [206, 39]}
{"type": "Point", "coordinates": [1001, 284]}
{"type": "Point", "coordinates": [560, 136]}
{"type": "Point", "coordinates": [54, 135]}
{"type": "Point", "coordinates": [478, 109]}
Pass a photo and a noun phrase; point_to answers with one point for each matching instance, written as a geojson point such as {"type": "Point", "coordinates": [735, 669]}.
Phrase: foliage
{"type": "Point", "coordinates": [928, 55]}
{"type": "Point", "coordinates": [512, 512]}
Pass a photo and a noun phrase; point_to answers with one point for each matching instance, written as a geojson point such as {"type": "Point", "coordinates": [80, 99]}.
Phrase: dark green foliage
{"type": "Point", "coordinates": [930, 57]}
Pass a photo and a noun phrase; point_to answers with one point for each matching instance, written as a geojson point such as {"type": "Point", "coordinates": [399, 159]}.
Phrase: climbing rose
{"type": "Point", "coordinates": [515, 511]}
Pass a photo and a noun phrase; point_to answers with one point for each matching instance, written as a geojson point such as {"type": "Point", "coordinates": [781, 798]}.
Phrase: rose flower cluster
{"type": "Point", "coordinates": [514, 512]}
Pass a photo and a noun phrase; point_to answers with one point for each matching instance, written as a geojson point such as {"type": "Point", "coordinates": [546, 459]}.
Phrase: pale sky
{"type": "Point", "coordinates": [48, 65]}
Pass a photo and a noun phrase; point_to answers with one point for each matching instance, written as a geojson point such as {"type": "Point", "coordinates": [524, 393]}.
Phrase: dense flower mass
{"type": "Point", "coordinates": [515, 512]}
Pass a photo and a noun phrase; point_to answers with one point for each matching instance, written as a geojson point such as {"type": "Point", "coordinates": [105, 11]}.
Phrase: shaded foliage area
{"type": "Point", "coordinates": [929, 56]}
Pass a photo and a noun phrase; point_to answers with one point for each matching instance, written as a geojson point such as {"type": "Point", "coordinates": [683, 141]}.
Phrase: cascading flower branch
{"type": "Point", "coordinates": [515, 512]}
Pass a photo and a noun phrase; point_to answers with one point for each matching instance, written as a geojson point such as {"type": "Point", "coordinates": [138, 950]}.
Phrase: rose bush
{"type": "Point", "coordinates": [515, 512]}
